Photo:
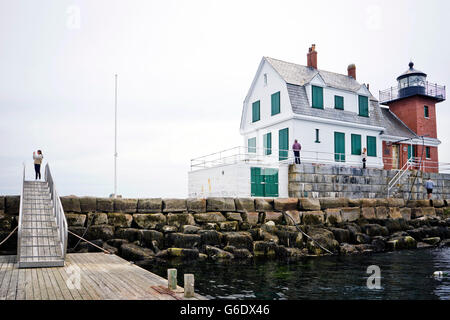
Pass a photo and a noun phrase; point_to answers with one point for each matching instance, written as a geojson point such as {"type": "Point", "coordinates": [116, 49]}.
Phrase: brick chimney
{"type": "Point", "coordinates": [351, 69]}
{"type": "Point", "coordinates": [312, 57]}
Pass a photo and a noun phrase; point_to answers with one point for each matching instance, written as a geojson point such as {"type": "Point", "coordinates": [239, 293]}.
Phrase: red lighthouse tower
{"type": "Point", "coordinates": [413, 101]}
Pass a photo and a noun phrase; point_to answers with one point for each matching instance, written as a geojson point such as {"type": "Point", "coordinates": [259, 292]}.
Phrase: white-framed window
{"type": "Point", "coordinates": [265, 79]}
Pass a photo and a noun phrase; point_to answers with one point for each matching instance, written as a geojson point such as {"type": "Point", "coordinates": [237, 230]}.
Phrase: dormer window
{"type": "Point", "coordinates": [317, 97]}
{"type": "Point", "coordinates": [363, 106]}
{"type": "Point", "coordinates": [339, 102]}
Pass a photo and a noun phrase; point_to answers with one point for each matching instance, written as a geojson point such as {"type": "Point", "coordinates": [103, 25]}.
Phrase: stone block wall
{"type": "Point", "coordinates": [154, 230]}
{"type": "Point", "coordinates": [316, 180]}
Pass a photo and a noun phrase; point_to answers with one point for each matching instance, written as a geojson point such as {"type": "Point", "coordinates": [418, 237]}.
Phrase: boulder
{"type": "Point", "coordinates": [75, 220]}
{"type": "Point", "coordinates": [153, 205]}
{"type": "Point", "coordinates": [88, 204]}
{"type": "Point", "coordinates": [288, 236]}
{"type": "Point", "coordinates": [289, 254]}
{"type": "Point", "coordinates": [239, 254]}
{"type": "Point", "coordinates": [381, 213]}
{"type": "Point", "coordinates": [396, 202]}
{"type": "Point", "coordinates": [2, 204]}
{"type": "Point", "coordinates": [354, 202]}
{"type": "Point", "coordinates": [233, 216]}
{"type": "Point", "coordinates": [150, 220]}
{"type": "Point", "coordinates": [264, 249]}
{"type": "Point", "coordinates": [309, 204]}
{"type": "Point", "coordinates": [220, 204]}
{"type": "Point", "coordinates": [268, 236]}
{"type": "Point", "coordinates": [262, 205]}
{"type": "Point", "coordinates": [210, 226]}
{"type": "Point", "coordinates": [210, 237]}
{"type": "Point", "coordinates": [333, 216]}
{"type": "Point", "coordinates": [121, 220]}
{"type": "Point", "coordinates": [129, 234]}
{"type": "Point", "coordinates": [406, 213]}
{"type": "Point", "coordinates": [368, 213]}
{"type": "Point", "coordinates": [429, 211]}
{"type": "Point", "coordinates": [105, 205]}
{"type": "Point", "coordinates": [341, 235]}
{"type": "Point", "coordinates": [432, 241]}
{"type": "Point", "coordinates": [6, 222]}
{"type": "Point", "coordinates": [12, 205]}
{"type": "Point", "coordinates": [228, 226]}
{"type": "Point", "coordinates": [295, 217]}
{"type": "Point", "coordinates": [196, 205]}
{"type": "Point", "coordinates": [362, 238]}
{"type": "Point", "coordinates": [214, 217]}
{"type": "Point", "coordinates": [373, 230]}
{"type": "Point", "coordinates": [71, 204]}
{"type": "Point", "coordinates": [218, 254]}
{"type": "Point", "coordinates": [239, 240]}
{"type": "Point", "coordinates": [184, 253]}
{"type": "Point", "coordinates": [347, 249]}
{"type": "Point", "coordinates": [394, 225]}
{"type": "Point", "coordinates": [285, 204]}
{"type": "Point", "coordinates": [394, 213]}
{"type": "Point", "coordinates": [324, 237]}
{"type": "Point", "coordinates": [251, 217]}
{"type": "Point", "coordinates": [381, 202]}
{"type": "Point", "coordinates": [181, 240]}
{"type": "Point", "coordinates": [180, 219]}
{"type": "Point", "coordinates": [401, 243]}
{"type": "Point", "coordinates": [350, 214]}
{"type": "Point", "coordinates": [330, 203]}
{"type": "Point", "coordinates": [110, 249]}
{"type": "Point", "coordinates": [148, 238]}
{"type": "Point", "coordinates": [174, 205]}
{"type": "Point", "coordinates": [438, 203]}
{"type": "Point", "coordinates": [169, 229]}
{"type": "Point", "coordinates": [244, 204]}
{"type": "Point", "coordinates": [125, 205]}
{"type": "Point", "coordinates": [371, 203]}
{"type": "Point", "coordinates": [378, 243]}
{"type": "Point", "coordinates": [188, 229]}
{"type": "Point", "coordinates": [96, 218]}
{"type": "Point", "coordinates": [276, 217]}
{"type": "Point", "coordinates": [313, 217]}
{"type": "Point", "coordinates": [72, 240]}
{"type": "Point", "coordinates": [418, 203]}
{"type": "Point", "coordinates": [104, 232]}
{"type": "Point", "coordinates": [132, 252]}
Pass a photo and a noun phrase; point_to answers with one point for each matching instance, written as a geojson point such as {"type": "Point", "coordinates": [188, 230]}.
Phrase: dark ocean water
{"type": "Point", "coordinates": [404, 275]}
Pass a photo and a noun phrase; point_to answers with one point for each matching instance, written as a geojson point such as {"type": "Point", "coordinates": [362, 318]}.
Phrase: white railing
{"type": "Point", "coordinates": [260, 156]}
{"type": "Point", "coordinates": [58, 211]}
{"type": "Point", "coordinates": [19, 232]}
{"type": "Point", "coordinates": [406, 167]}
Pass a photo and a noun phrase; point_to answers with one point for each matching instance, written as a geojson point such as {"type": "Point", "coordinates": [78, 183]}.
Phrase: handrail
{"type": "Point", "coordinates": [408, 165]}
{"type": "Point", "coordinates": [19, 232]}
{"type": "Point", "coordinates": [58, 211]}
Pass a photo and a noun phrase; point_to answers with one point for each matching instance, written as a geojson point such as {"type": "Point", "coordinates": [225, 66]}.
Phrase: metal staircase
{"type": "Point", "coordinates": [42, 237]}
{"type": "Point", "coordinates": [394, 184]}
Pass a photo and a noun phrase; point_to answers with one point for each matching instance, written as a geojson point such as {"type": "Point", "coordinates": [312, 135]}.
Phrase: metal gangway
{"type": "Point", "coordinates": [42, 229]}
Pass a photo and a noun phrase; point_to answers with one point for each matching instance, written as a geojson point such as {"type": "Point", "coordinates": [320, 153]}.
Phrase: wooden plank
{"type": "Point", "coordinates": [7, 279]}
{"type": "Point", "coordinates": [12, 290]}
{"type": "Point", "coordinates": [29, 292]}
{"type": "Point", "coordinates": [61, 283]}
{"type": "Point", "coordinates": [73, 291]}
{"type": "Point", "coordinates": [41, 284]}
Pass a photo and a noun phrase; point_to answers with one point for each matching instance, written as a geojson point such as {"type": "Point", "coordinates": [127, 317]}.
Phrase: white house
{"type": "Point", "coordinates": [332, 115]}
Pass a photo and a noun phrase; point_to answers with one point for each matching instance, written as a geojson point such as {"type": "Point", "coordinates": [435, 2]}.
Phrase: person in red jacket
{"type": "Point", "coordinates": [297, 147]}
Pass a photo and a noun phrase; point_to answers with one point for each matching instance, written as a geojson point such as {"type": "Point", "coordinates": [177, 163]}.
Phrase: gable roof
{"type": "Point", "coordinates": [301, 75]}
{"type": "Point", "coordinates": [394, 126]}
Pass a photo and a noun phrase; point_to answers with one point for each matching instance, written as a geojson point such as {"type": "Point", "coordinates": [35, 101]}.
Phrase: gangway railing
{"type": "Point", "coordinates": [19, 229]}
{"type": "Point", "coordinates": [58, 211]}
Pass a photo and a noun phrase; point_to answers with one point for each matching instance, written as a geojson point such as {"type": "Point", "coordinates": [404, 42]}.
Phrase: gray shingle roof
{"type": "Point", "coordinates": [300, 75]}
{"type": "Point", "coordinates": [300, 105]}
{"type": "Point", "coordinates": [394, 126]}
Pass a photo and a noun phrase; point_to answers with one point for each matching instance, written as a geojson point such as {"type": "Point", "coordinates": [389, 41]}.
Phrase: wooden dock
{"type": "Point", "coordinates": [85, 276]}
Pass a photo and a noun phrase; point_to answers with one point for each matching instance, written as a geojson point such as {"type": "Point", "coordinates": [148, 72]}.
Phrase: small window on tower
{"type": "Point", "coordinates": [426, 112]}
{"type": "Point", "coordinates": [427, 152]}
{"type": "Point", "coordinates": [265, 79]}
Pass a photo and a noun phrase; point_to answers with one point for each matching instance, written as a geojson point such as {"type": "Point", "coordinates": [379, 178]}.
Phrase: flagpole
{"type": "Point", "coordinates": [115, 139]}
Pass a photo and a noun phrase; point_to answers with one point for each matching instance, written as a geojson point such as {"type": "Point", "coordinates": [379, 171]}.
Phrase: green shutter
{"type": "Point", "coordinates": [317, 97]}
{"type": "Point", "coordinates": [409, 151]}
{"type": "Point", "coordinates": [363, 103]}
{"type": "Point", "coordinates": [426, 112]}
{"type": "Point", "coordinates": [257, 182]}
{"type": "Point", "coordinates": [283, 144]}
{"type": "Point", "coordinates": [268, 143]}
{"type": "Point", "coordinates": [255, 111]}
{"type": "Point", "coordinates": [275, 102]}
{"type": "Point", "coordinates": [339, 147]}
{"type": "Point", "coordinates": [252, 145]}
{"type": "Point", "coordinates": [339, 102]}
{"type": "Point", "coordinates": [356, 144]}
{"type": "Point", "coordinates": [371, 146]}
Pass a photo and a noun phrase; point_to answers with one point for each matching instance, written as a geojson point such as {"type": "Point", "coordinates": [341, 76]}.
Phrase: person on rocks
{"type": "Point", "coordinates": [37, 163]}
{"type": "Point", "coordinates": [364, 157]}
{"type": "Point", "coordinates": [297, 147]}
{"type": "Point", "coordinates": [429, 185]}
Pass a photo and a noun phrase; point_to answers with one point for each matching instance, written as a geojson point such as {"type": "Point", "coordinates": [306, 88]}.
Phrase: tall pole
{"type": "Point", "coordinates": [115, 140]}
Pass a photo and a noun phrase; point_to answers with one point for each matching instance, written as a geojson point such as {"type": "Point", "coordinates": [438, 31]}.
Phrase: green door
{"type": "Point", "coordinates": [339, 147]}
{"type": "Point", "coordinates": [283, 144]}
{"type": "Point", "coordinates": [264, 182]}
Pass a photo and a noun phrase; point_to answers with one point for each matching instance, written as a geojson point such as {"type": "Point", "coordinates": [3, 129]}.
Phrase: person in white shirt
{"type": "Point", "coordinates": [364, 157]}
{"type": "Point", "coordinates": [37, 163]}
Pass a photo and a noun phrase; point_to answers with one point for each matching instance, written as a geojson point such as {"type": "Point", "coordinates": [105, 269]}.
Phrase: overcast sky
{"type": "Point", "coordinates": [184, 70]}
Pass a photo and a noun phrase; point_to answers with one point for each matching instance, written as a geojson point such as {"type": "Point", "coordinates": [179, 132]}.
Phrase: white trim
{"type": "Point", "coordinates": [430, 142]}
{"type": "Point", "coordinates": [338, 122]}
